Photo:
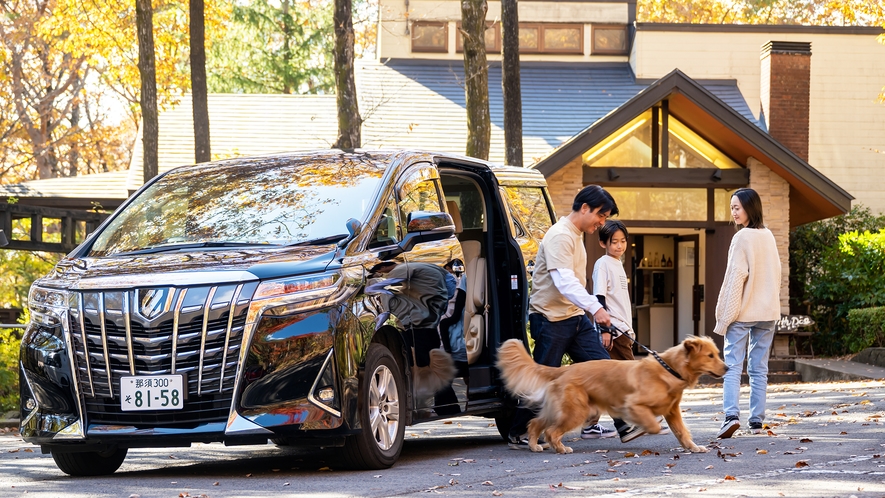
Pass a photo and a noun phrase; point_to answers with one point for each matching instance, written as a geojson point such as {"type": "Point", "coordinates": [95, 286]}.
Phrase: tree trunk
{"type": "Point", "coordinates": [476, 77]}
{"type": "Point", "coordinates": [202, 151]}
{"type": "Point", "coordinates": [146, 68]}
{"type": "Point", "coordinates": [349, 120]}
{"type": "Point", "coordinates": [510, 83]}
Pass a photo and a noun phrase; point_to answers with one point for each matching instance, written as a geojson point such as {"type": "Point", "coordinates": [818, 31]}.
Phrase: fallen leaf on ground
{"type": "Point", "coordinates": [447, 422]}
{"type": "Point", "coordinates": [708, 467]}
{"type": "Point", "coordinates": [801, 463]}
{"type": "Point", "coordinates": [497, 493]}
{"type": "Point", "coordinates": [648, 452]}
{"type": "Point", "coordinates": [590, 475]}
{"type": "Point", "coordinates": [324, 469]}
{"type": "Point", "coordinates": [761, 452]}
{"type": "Point", "coordinates": [487, 483]}
{"type": "Point", "coordinates": [629, 454]}
{"type": "Point", "coordinates": [621, 490]}
{"type": "Point", "coordinates": [730, 478]}
{"type": "Point", "coordinates": [805, 440]}
{"type": "Point", "coordinates": [215, 483]}
{"type": "Point", "coordinates": [170, 456]}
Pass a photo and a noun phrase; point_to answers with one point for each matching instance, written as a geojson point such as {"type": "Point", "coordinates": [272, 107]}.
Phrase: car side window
{"type": "Point", "coordinates": [388, 231]}
{"type": "Point", "coordinates": [529, 206]}
{"type": "Point", "coordinates": [419, 191]}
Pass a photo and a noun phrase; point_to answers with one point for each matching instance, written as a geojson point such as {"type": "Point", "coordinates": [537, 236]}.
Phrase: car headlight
{"type": "Point", "coordinates": [47, 306]}
{"type": "Point", "coordinates": [303, 288]}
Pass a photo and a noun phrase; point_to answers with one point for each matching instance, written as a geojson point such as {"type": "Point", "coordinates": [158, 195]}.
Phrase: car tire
{"type": "Point", "coordinates": [381, 408]}
{"type": "Point", "coordinates": [90, 463]}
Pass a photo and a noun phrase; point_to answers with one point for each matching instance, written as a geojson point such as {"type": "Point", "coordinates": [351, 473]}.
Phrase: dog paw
{"type": "Point", "coordinates": [698, 449]}
{"type": "Point", "coordinates": [566, 449]}
{"type": "Point", "coordinates": [536, 448]}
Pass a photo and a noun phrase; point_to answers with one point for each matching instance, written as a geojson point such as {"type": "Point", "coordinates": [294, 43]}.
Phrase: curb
{"type": "Point", "coordinates": [9, 422]}
{"type": "Point", "coordinates": [817, 370]}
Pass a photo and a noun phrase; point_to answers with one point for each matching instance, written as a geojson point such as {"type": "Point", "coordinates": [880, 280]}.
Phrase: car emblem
{"type": "Point", "coordinates": [151, 302]}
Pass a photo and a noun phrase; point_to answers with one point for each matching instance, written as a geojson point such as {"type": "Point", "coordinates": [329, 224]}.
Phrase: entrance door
{"type": "Point", "coordinates": [688, 292]}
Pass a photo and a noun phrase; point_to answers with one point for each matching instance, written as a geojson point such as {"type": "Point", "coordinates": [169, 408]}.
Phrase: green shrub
{"type": "Point", "coordinates": [10, 344]}
{"type": "Point", "coordinates": [850, 275]}
{"type": "Point", "coordinates": [809, 242]}
{"type": "Point", "coordinates": [866, 328]}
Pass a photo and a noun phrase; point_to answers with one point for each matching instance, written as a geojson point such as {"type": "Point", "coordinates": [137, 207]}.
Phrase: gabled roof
{"type": "Point", "coordinates": [813, 196]}
{"type": "Point", "coordinates": [421, 103]}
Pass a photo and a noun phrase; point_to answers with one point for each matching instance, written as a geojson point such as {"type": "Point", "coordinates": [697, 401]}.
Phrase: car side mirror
{"type": "Point", "coordinates": [423, 226]}
{"type": "Point", "coordinates": [353, 227]}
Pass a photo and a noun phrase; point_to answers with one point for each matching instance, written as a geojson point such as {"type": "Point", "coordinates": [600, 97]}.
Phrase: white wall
{"type": "Point", "coordinates": [847, 124]}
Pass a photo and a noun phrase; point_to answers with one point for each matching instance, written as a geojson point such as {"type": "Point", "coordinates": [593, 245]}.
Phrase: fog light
{"type": "Point", "coordinates": [326, 394]}
{"type": "Point", "coordinates": [30, 404]}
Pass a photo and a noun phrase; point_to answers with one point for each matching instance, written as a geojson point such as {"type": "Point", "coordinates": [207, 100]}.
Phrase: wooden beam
{"type": "Point", "coordinates": [36, 228]}
{"type": "Point", "coordinates": [27, 245]}
{"type": "Point", "coordinates": [666, 177]}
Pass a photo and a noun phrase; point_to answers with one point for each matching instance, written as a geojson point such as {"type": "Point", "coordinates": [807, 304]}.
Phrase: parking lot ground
{"type": "Point", "coordinates": [823, 440]}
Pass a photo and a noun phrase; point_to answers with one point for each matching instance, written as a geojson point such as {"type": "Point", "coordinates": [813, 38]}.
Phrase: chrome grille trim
{"type": "Point", "coordinates": [176, 315]}
{"type": "Point", "coordinates": [81, 318]}
{"type": "Point", "coordinates": [128, 326]}
{"type": "Point", "coordinates": [203, 340]}
{"type": "Point", "coordinates": [104, 344]}
{"type": "Point", "coordinates": [230, 323]}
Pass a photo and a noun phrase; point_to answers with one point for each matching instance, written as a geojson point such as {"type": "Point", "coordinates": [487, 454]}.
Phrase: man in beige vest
{"type": "Point", "coordinates": [559, 301]}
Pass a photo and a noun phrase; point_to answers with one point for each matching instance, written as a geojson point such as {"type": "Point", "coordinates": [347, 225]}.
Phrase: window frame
{"type": "Point", "coordinates": [542, 28]}
{"type": "Point", "coordinates": [603, 51]}
{"type": "Point", "coordinates": [459, 45]}
{"type": "Point", "coordinates": [430, 50]}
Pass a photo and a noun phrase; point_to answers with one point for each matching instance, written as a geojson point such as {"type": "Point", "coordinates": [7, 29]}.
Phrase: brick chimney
{"type": "Point", "coordinates": [786, 80]}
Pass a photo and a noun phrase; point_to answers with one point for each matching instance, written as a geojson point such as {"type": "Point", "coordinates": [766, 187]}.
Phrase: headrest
{"type": "Point", "coordinates": [452, 206]}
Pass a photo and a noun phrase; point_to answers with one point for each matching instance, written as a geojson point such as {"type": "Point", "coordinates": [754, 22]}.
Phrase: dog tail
{"type": "Point", "coordinates": [522, 376]}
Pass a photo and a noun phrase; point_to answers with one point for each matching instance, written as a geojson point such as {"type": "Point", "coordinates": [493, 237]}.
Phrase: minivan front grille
{"type": "Point", "coordinates": [194, 331]}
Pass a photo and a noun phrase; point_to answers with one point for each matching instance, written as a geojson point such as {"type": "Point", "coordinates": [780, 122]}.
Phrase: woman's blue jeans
{"type": "Point", "coordinates": [759, 336]}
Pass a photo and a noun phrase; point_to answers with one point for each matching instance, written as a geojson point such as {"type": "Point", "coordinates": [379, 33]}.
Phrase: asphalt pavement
{"type": "Point", "coordinates": [823, 440]}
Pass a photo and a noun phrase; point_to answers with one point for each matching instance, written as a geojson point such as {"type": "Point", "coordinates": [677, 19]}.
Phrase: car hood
{"type": "Point", "coordinates": [187, 268]}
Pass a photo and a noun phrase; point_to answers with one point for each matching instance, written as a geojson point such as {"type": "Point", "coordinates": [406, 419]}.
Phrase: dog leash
{"type": "Point", "coordinates": [608, 330]}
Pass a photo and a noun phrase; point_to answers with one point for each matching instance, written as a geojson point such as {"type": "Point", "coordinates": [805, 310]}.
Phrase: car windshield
{"type": "Point", "coordinates": [262, 201]}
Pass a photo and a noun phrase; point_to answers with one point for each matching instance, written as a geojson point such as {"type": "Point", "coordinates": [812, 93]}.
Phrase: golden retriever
{"type": "Point", "coordinates": [637, 391]}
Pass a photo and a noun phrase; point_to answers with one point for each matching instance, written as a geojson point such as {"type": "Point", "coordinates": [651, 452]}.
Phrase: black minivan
{"type": "Point", "coordinates": [293, 297]}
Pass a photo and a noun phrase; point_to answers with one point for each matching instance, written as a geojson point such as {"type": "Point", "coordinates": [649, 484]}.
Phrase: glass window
{"type": "Point", "coordinates": [430, 36]}
{"type": "Point", "coordinates": [611, 40]}
{"type": "Point", "coordinates": [419, 192]}
{"type": "Point", "coordinates": [722, 204]}
{"type": "Point", "coordinates": [388, 231]}
{"type": "Point", "coordinates": [661, 204]}
{"type": "Point", "coordinates": [628, 147]}
{"type": "Point", "coordinates": [529, 38]}
{"type": "Point", "coordinates": [492, 35]}
{"type": "Point", "coordinates": [563, 39]}
{"type": "Point", "coordinates": [274, 200]}
{"type": "Point", "coordinates": [530, 207]}
{"type": "Point", "coordinates": [686, 149]}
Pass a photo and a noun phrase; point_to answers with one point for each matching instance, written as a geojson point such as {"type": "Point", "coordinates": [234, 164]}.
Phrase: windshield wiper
{"type": "Point", "coordinates": [193, 245]}
{"type": "Point", "coordinates": [331, 239]}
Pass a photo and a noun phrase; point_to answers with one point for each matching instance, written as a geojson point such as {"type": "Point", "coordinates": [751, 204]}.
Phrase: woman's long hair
{"type": "Point", "coordinates": [752, 204]}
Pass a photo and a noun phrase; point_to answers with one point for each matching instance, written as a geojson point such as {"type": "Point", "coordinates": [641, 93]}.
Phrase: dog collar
{"type": "Point", "coordinates": [666, 367]}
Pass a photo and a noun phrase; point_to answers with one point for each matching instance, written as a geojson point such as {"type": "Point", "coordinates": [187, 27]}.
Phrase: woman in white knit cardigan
{"type": "Point", "coordinates": [747, 310]}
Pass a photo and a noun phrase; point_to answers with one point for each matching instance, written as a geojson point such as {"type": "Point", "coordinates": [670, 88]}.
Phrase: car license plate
{"type": "Point", "coordinates": [151, 392]}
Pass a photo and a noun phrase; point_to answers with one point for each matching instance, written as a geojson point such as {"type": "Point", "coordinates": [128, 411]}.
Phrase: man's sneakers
{"type": "Point", "coordinates": [522, 442]}
{"type": "Point", "coordinates": [630, 432]}
{"type": "Point", "coordinates": [756, 427]}
{"type": "Point", "coordinates": [729, 427]}
{"type": "Point", "coordinates": [596, 432]}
